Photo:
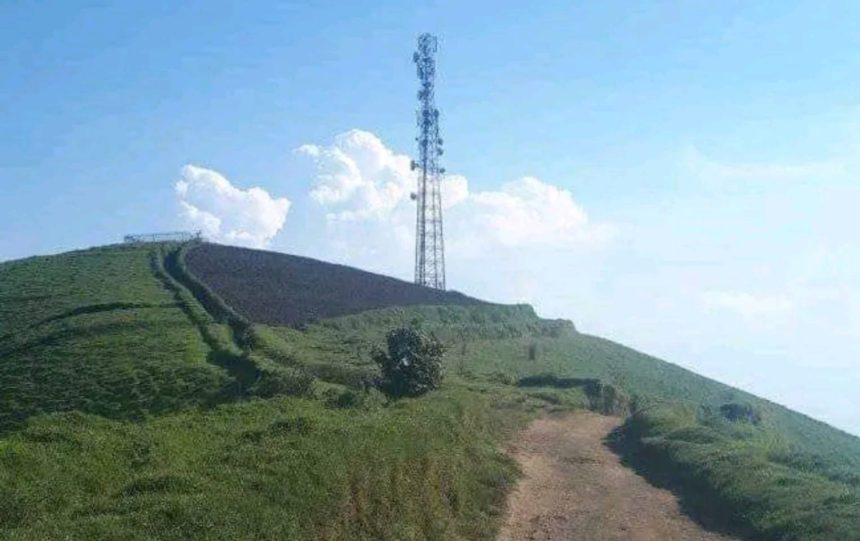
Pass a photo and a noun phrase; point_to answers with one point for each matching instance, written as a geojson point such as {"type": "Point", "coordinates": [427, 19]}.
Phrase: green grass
{"type": "Point", "coordinates": [499, 344]}
{"type": "Point", "coordinates": [198, 424]}
{"type": "Point", "coordinates": [161, 459]}
{"type": "Point", "coordinates": [97, 331]}
{"type": "Point", "coordinates": [787, 477]}
{"type": "Point", "coordinates": [734, 475]}
{"type": "Point", "coordinates": [283, 468]}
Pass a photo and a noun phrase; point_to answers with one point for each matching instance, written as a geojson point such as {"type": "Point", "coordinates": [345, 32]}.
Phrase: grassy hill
{"type": "Point", "coordinates": [146, 392]}
{"type": "Point", "coordinates": [97, 331]}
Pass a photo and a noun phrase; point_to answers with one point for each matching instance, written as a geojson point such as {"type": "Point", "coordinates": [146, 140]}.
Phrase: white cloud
{"type": "Point", "coordinates": [455, 190]}
{"type": "Point", "coordinates": [530, 212]}
{"type": "Point", "coordinates": [208, 223]}
{"type": "Point", "coordinates": [210, 203]}
{"type": "Point", "coordinates": [359, 178]}
{"type": "Point", "coordinates": [749, 305]}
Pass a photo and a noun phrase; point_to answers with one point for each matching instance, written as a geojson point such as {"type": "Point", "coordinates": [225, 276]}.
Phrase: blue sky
{"type": "Point", "coordinates": [678, 176]}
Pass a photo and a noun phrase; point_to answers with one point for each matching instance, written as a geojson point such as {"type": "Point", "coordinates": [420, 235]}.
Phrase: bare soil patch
{"type": "Point", "coordinates": [575, 488]}
{"type": "Point", "coordinates": [282, 289]}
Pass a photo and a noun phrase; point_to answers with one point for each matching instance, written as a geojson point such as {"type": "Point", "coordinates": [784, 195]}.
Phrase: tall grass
{"type": "Point", "coordinates": [283, 468]}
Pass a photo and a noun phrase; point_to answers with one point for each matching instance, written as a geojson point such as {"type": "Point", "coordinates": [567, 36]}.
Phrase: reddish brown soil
{"type": "Point", "coordinates": [575, 488]}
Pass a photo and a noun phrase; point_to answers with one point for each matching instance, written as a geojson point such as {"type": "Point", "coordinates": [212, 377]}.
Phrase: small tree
{"type": "Point", "coordinates": [413, 363]}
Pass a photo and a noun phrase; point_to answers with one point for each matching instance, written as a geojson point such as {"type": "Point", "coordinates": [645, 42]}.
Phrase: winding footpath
{"type": "Point", "coordinates": [575, 488]}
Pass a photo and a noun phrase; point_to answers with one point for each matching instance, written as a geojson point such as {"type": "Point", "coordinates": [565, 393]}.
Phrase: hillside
{"type": "Point", "coordinates": [97, 331]}
{"type": "Point", "coordinates": [149, 393]}
{"type": "Point", "coordinates": [281, 289]}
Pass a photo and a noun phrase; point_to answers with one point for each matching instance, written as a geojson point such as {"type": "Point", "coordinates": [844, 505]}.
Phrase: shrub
{"type": "Point", "coordinates": [413, 363]}
{"type": "Point", "coordinates": [736, 412]}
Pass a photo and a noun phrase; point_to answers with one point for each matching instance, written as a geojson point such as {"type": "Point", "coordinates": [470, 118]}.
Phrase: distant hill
{"type": "Point", "coordinates": [185, 391]}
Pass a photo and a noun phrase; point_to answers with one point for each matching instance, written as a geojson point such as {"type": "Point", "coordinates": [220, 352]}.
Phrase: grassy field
{"type": "Point", "coordinates": [494, 341]}
{"type": "Point", "coordinates": [97, 331]}
{"type": "Point", "coordinates": [283, 468]}
{"type": "Point", "coordinates": [782, 476]}
{"type": "Point", "coordinates": [190, 421]}
{"type": "Point", "coordinates": [217, 461]}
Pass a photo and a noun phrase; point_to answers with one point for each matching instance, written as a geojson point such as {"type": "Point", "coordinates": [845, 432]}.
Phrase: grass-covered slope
{"type": "Point", "coordinates": [262, 450]}
{"type": "Point", "coordinates": [740, 463]}
{"type": "Point", "coordinates": [281, 468]}
{"type": "Point", "coordinates": [281, 289]}
{"type": "Point", "coordinates": [97, 331]}
{"type": "Point", "coordinates": [275, 431]}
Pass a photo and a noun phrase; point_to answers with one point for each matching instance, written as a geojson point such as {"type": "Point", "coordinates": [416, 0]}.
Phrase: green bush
{"type": "Point", "coordinates": [740, 413]}
{"type": "Point", "coordinates": [413, 363]}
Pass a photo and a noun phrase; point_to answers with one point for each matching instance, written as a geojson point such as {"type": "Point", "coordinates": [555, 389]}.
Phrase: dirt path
{"type": "Point", "coordinates": [574, 488]}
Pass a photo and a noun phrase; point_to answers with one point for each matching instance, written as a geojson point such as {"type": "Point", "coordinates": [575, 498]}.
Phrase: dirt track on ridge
{"type": "Point", "coordinates": [575, 488]}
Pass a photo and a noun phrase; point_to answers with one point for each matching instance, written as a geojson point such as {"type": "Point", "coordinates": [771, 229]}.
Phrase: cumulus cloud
{"type": "Point", "coordinates": [749, 305]}
{"type": "Point", "coordinates": [211, 203]}
{"type": "Point", "coordinates": [530, 212]}
{"type": "Point", "coordinates": [359, 178]}
{"type": "Point", "coordinates": [455, 190]}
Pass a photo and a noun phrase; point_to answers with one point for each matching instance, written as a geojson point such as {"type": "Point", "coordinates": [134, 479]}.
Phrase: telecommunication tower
{"type": "Point", "coordinates": [429, 241]}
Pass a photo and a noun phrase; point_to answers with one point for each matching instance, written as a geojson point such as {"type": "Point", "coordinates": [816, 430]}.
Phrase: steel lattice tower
{"type": "Point", "coordinates": [429, 241]}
